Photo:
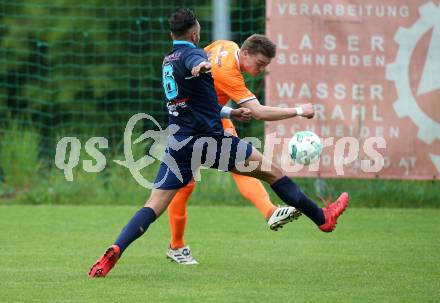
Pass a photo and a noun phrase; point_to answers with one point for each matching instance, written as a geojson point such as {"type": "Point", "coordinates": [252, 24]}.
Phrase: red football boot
{"type": "Point", "coordinates": [104, 264]}
{"type": "Point", "coordinates": [332, 211]}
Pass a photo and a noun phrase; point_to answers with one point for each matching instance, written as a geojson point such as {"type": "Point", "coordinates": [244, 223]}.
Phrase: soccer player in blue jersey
{"type": "Point", "coordinates": [193, 107]}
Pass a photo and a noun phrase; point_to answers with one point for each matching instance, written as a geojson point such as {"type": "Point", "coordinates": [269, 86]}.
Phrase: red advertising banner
{"type": "Point", "coordinates": [372, 70]}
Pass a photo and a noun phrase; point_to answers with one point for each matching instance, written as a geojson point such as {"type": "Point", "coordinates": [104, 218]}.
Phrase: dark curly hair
{"type": "Point", "coordinates": [181, 21]}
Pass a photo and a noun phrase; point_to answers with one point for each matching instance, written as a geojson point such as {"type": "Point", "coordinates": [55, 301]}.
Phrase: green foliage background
{"type": "Point", "coordinates": [83, 68]}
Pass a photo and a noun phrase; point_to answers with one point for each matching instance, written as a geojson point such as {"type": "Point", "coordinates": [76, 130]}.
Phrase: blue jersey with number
{"type": "Point", "coordinates": [191, 101]}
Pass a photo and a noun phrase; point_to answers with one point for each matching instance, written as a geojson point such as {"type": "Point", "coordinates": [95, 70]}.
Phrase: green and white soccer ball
{"type": "Point", "coordinates": [305, 147]}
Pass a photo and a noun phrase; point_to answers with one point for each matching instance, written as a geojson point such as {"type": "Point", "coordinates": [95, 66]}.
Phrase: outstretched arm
{"type": "Point", "coordinates": [240, 114]}
{"type": "Point", "coordinates": [271, 113]}
{"type": "Point", "coordinates": [231, 83]}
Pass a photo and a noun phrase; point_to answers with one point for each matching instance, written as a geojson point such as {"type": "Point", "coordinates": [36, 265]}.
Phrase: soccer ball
{"type": "Point", "coordinates": [305, 147]}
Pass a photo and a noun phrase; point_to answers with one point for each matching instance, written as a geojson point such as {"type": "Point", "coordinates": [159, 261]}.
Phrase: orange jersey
{"type": "Point", "coordinates": [225, 69]}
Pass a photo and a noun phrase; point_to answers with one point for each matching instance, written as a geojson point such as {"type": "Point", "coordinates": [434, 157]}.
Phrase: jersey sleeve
{"type": "Point", "coordinates": [231, 83]}
{"type": "Point", "coordinates": [194, 58]}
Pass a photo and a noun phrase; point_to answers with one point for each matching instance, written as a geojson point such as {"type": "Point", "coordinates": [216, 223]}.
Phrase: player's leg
{"type": "Point", "coordinates": [250, 188]}
{"type": "Point", "coordinates": [177, 215]}
{"type": "Point", "coordinates": [136, 227]}
{"type": "Point", "coordinates": [157, 203]}
{"type": "Point", "coordinates": [178, 251]}
{"type": "Point", "coordinates": [253, 191]}
{"type": "Point", "coordinates": [139, 223]}
{"type": "Point", "coordinates": [292, 195]}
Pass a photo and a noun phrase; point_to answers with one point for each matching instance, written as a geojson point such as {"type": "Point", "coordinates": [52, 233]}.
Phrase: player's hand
{"type": "Point", "coordinates": [203, 67]}
{"type": "Point", "coordinates": [241, 114]}
{"type": "Point", "coordinates": [308, 110]}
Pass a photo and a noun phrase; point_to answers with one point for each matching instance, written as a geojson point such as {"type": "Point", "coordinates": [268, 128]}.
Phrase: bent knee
{"type": "Point", "coordinates": [189, 187]}
{"type": "Point", "coordinates": [277, 172]}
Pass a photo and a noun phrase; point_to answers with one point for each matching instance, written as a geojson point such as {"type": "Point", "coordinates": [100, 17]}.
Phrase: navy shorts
{"type": "Point", "coordinates": [184, 155]}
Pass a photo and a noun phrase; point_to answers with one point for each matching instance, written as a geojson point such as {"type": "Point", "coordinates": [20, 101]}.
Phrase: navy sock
{"type": "Point", "coordinates": [136, 227]}
{"type": "Point", "coordinates": [292, 195]}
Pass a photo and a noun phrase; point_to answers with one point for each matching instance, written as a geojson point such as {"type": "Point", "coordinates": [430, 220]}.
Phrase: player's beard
{"type": "Point", "coordinates": [196, 40]}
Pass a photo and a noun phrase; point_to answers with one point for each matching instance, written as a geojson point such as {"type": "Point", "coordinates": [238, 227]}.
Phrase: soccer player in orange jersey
{"type": "Point", "coordinates": [228, 62]}
{"type": "Point", "coordinates": [185, 62]}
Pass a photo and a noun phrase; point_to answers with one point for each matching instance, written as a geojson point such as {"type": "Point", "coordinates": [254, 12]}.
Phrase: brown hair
{"type": "Point", "coordinates": [259, 44]}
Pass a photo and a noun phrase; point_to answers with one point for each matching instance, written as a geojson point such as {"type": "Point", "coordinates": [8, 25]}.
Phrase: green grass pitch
{"type": "Point", "coordinates": [375, 255]}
